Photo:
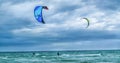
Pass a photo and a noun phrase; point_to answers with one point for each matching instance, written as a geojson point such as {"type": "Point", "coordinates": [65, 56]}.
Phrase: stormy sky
{"type": "Point", "coordinates": [64, 29]}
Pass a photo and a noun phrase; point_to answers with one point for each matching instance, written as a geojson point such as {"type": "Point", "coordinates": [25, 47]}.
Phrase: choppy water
{"type": "Point", "coordinates": [110, 56]}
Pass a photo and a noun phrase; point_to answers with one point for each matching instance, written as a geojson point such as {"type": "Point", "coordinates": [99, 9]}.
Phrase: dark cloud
{"type": "Point", "coordinates": [108, 4]}
{"type": "Point", "coordinates": [14, 1]}
{"type": "Point", "coordinates": [105, 5]}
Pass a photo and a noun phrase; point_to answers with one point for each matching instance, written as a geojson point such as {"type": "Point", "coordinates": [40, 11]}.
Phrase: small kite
{"type": "Point", "coordinates": [87, 21]}
{"type": "Point", "coordinates": [38, 13]}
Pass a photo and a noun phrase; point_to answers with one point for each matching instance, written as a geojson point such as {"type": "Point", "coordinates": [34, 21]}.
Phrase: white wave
{"type": "Point", "coordinates": [31, 60]}
{"type": "Point", "coordinates": [89, 55]}
{"type": "Point", "coordinates": [4, 57]}
{"type": "Point", "coordinates": [37, 54]}
{"type": "Point", "coordinates": [105, 62]}
{"type": "Point", "coordinates": [67, 55]}
{"type": "Point", "coordinates": [43, 56]}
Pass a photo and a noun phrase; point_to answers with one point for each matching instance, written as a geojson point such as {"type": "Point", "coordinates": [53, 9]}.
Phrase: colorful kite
{"type": "Point", "coordinates": [38, 13]}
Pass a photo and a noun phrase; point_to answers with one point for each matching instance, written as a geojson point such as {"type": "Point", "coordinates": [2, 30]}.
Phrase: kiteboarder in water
{"type": "Point", "coordinates": [58, 53]}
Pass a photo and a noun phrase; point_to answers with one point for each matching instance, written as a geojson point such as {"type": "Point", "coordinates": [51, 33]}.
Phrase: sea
{"type": "Point", "coordinates": [84, 56]}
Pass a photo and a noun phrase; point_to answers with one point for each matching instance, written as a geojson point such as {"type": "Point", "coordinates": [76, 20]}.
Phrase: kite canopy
{"type": "Point", "coordinates": [38, 13]}
{"type": "Point", "coordinates": [87, 21]}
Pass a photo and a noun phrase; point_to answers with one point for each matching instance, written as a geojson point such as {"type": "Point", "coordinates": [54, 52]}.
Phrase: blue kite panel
{"type": "Point", "coordinates": [38, 14]}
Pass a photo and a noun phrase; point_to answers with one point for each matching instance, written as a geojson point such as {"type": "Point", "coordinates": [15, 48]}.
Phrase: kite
{"type": "Point", "coordinates": [88, 21]}
{"type": "Point", "coordinates": [38, 13]}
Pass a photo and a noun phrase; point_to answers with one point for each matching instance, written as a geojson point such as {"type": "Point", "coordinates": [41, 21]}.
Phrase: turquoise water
{"type": "Point", "coordinates": [96, 56]}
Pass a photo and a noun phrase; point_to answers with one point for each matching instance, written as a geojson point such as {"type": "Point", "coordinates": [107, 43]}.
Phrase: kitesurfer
{"type": "Point", "coordinates": [58, 54]}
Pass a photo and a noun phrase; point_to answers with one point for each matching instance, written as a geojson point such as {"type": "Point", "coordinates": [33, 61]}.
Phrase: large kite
{"type": "Point", "coordinates": [38, 13]}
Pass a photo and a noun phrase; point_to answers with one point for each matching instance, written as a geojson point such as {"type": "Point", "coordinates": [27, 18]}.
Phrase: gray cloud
{"type": "Point", "coordinates": [19, 29]}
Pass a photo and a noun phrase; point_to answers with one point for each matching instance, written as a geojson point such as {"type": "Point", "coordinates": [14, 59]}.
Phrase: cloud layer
{"type": "Point", "coordinates": [65, 28]}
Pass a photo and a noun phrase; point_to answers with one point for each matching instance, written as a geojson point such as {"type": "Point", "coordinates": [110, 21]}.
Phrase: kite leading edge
{"type": "Point", "coordinates": [87, 22]}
